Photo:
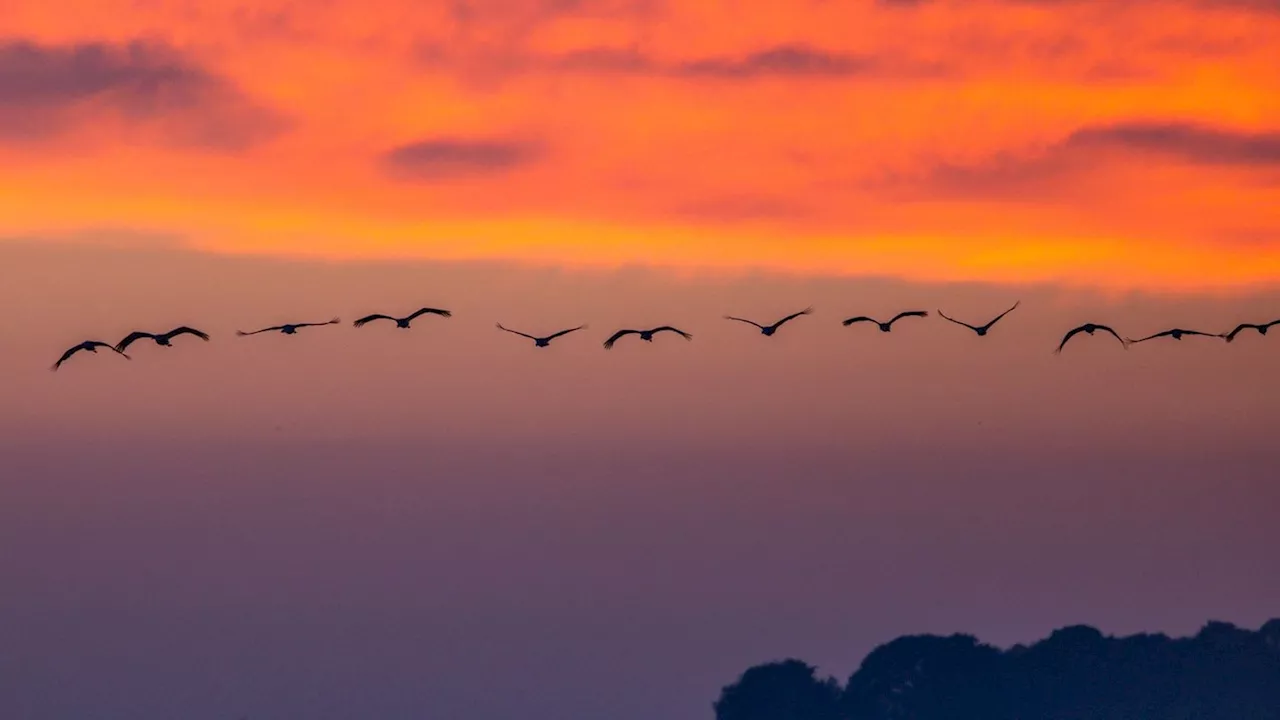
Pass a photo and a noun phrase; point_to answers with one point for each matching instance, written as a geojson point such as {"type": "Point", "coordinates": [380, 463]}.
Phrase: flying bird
{"type": "Point", "coordinates": [87, 346]}
{"type": "Point", "coordinates": [982, 329]}
{"type": "Point", "coordinates": [163, 340]}
{"type": "Point", "coordinates": [886, 326]}
{"type": "Point", "coordinates": [646, 335]}
{"type": "Point", "coordinates": [541, 341]}
{"type": "Point", "coordinates": [1176, 334]}
{"type": "Point", "coordinates": [289, 329]}
{"type": "Point", "coordinates": [404, 321]}
{"type": "Point", "coordinates": [771, 329]}
{"type": "Point", "coordinates": [1262, 329]}
{"type": "Point", "coordinates": [1090, 328]}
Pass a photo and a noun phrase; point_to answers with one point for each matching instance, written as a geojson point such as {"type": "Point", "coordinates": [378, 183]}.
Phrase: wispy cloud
{"type": "Point", "coordinates": [49, 90]}
{"type": "Point", "coordinates": [785, 60]}
{"type": "Point", "coordinates": [1189, 142]}
{"type": "Point", "coordinates": [1047, 171]}
{"type": "Point", "coordinates": [444, 158]}
{"type": "Point", "coordinates": [796, 61]}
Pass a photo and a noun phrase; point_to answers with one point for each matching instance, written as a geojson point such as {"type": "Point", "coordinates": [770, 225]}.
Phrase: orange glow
{"type": "Point", "coordinates": [930, 141]}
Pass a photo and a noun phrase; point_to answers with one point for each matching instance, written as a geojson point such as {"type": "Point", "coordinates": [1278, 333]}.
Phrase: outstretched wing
{"type": "Point", "coordinates": [944, 316]}
{"type": "Point", "coordinates": [749, 322]}
{"type": "Point", "coordinates": [131, 338]}
{"type": "Point", "coordinates": [1271, 324]}
{"type": "Point", "coordinates": [371, 318]}
{"type": "Point", "coordinates": [242, 333]}
{"type": "Point", "coordinates": [1152, 337]}
{"type": "Point", "coordinates": [565, 332]}
{"type": "Point", "coordinates": [909, 313]}
{"type": "Point", "coordinates": [1001, 315]}
{"type": "Point", "coordinates": [433, 311]}
{"type": "Point", "coordinates": [69, 353]}
{"type": "Point", "coordinates": [793, 316]}
{"type": "Point", "coordinates": [860, 318]}
{"type": "Point", "coordinates": [184, 330]}
{"type": "Point", "coordinates": [668, 328]}
{"type": "Point", "coordinates": [334, 321]}
{"type": "Point", "coordinates": [614, 338]}
{"type": "Point", "coordinates": [1197, 332]}
{"type": "Point", "coordinates": [1115, 335]}
{"type": "Point", "coordinates": [1068, 336]}
{"type": "Point", "coordinates": [1246, 326]}
{"type": "Point", "coordinates": [514, 332]}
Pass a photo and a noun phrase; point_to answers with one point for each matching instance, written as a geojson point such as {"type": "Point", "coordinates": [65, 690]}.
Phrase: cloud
{"type": "Point", "coordinates": [789, 60]}
{"type": "Point", "coordinates": [1189, 142]}
{"type": "Point", "coordinates": [448, 158]}
{"type": "Point", "coordinates": [1049, 170]}
{"type": "Point", "coordinates": [47, 91]}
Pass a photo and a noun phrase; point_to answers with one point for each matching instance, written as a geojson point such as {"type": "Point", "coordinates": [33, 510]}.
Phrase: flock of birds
{"type": "Point", "coordinates": [166, 339]}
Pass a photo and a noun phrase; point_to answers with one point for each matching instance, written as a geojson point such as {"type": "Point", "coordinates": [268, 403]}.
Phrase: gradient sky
{"type": "Point", "coordinates": [448, 522]}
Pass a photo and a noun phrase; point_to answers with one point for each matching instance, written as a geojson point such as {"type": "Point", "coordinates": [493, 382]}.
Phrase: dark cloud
{"type": "Point", "coordinates": [792, 60]}
{"type": "Point", "coordinates": [1188, 142]}
{"type": "Point", "coordinates": [49, 90]}
{"type": "Point", "coordinates": [448, 158]}
{"type": "Point", "coordinates": [1049, 171]}
{"type": "Point", "coordinates": [795, 61]}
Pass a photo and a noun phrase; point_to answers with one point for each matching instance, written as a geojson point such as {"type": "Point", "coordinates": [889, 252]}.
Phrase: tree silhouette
{"type": "Point", "coordinates": [1077, 673]}
{"type": "Point", "coordinates": [786, 690]}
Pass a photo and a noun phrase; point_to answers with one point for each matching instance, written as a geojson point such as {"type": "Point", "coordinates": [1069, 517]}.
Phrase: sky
{"type": "Point", "coordinates": [450, 522]}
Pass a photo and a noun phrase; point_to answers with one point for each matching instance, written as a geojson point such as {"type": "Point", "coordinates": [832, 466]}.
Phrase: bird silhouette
{"type": "Point", "coordinates": [163, 340]}
{"type": "Point", "coordinates": [982, 329]}
{"type": "Point", "coordinates": [87, 346]}
{"type": "Point", "coordinates": [404, 321]}
{"type": "Point", "coordinates": [769, 330]}
{"type": "Point", "coordinates": [1262, 329]}
{"type": "Point", "coordinates": [541, 341]}
{"type": "Point", "coordinates": [289, 329]}
{"type": "Point", "coordinates": [886, 326]}
{"type": "Point", "coordinates": [646, 335]}
{"type": "Point", "coordinates": [1176, 334]}
{"type": "Point", "coordinates": [1090, 328]}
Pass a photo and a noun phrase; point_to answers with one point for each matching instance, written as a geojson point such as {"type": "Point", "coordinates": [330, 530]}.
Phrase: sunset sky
{"type": "Point", "coordinates": [448, 522]}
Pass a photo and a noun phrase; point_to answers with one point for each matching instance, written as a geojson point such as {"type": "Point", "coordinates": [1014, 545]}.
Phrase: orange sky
{"type": "Point", "coordinates": [932, 140]}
